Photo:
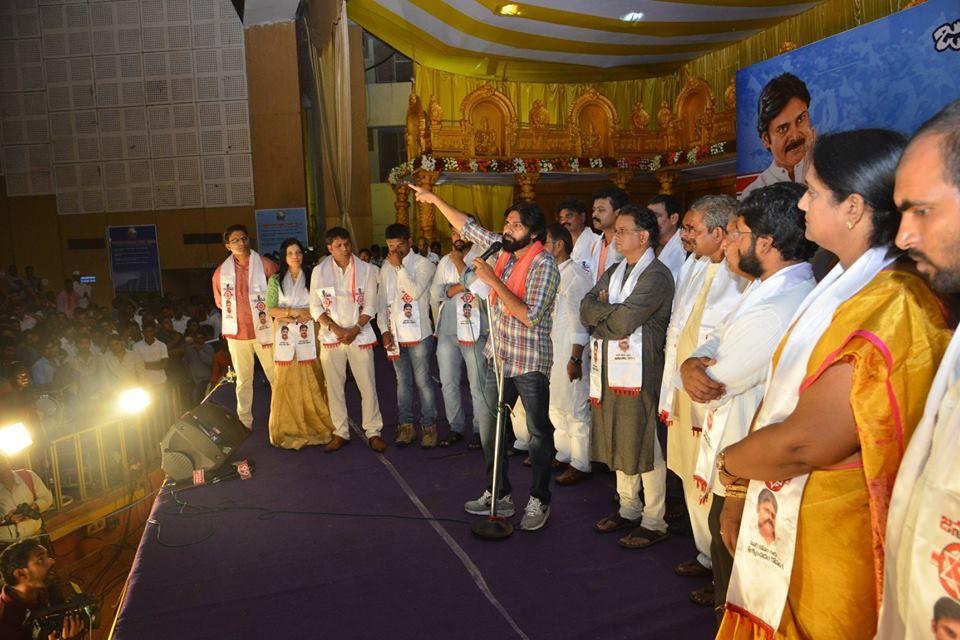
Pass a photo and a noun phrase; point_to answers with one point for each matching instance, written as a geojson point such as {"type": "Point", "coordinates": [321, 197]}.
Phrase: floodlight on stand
{"type": "Point", "coordinates": [14, 439]}
{"type": "Point", "coordinates": [133, 400]}
{"type": "Point", "coordinates": [509, 10]}
{"type": "Point", "coordinates": [633, 16]}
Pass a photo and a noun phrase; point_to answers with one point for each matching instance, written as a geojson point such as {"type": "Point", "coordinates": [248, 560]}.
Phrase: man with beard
{"type": "Point", "coordinates": [767, 516]}
{"type": "Point", "coordinates": [670, 250]}
{"type": "Point", "coordinates": [766, 243]}
{"type": "Point", "coordinates": [524, 286]}
{"type": "Point", "coordinates": [709, 303]}
{"type": "Point", "coordinates": [460, 338]}
{"type": "Point", "coordinates": [26, 568]}
{"type": "Point", "coordinates": [783, 122]}
{"type": "Point", "coordinates": [607, 203]}
{"type": "Point", "coordinates": [920, 558]}
{"type": "Point", "coordinates": [572, 214]}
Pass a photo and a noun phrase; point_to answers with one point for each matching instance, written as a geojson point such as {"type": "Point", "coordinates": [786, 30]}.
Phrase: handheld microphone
{"type": "Point", "coordinates": [492, 249]}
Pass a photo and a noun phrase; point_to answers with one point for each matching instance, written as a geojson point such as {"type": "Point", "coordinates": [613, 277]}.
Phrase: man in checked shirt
{"type": "Point", "coordinates": [524, 286]}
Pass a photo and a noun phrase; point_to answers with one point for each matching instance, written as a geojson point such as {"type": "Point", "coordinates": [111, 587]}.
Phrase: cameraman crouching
{"type": "Point", "coordinates": [23, 497]}
{"type": "Point", "coordinates": [26, 570]}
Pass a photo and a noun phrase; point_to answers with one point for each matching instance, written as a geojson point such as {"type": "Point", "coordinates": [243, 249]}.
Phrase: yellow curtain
{"type": "Point", "coordinates": [331, 68]}
{"type": "Point", "coordinates": [486, 202]}
{"type": "Point", "coordinates": [716, 68]}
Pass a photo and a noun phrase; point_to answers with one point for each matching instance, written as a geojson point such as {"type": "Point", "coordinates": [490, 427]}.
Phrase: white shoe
{"type": "Point", "coordinates": [535, 515]}
{"type": "Point", "coordinates": [481, 506]}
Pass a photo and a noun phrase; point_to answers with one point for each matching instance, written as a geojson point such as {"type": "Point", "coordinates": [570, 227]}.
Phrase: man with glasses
{"type": "Point", "coordinates": [241, 281]}
{"type": "Point", "coordinates": [706, 306]}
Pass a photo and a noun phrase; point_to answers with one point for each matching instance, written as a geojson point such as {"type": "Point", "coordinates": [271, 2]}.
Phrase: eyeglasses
{"type": "Point", "coordinates": [620, 232]}
{"type": "Point", "coordinates": [736, 233]}
{"type": "Point", "coordinates": [240, 240]}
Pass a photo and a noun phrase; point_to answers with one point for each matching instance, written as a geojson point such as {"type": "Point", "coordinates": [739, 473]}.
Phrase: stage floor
{"type": "Point", "coordinates": [341, 545]}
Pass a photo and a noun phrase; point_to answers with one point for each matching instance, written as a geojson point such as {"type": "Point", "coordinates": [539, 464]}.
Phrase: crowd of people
{"type": "Point", "coordinates": [774, 353]}
{"type": "Point", "coordinates": [810, 413]}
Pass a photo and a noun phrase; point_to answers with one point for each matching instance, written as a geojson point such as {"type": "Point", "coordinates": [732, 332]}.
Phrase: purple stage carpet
{"type": "Point", "coordinates": [342, 546]}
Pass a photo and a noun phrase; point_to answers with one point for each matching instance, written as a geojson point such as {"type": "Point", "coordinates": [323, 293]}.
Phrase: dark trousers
{"type": "Point", "coordinates": [534, 389]}
{"type": "Point", "coordinates": [721, 558]}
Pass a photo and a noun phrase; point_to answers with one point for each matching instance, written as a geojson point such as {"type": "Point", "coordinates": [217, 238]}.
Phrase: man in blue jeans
{"type": "Point", "coordinates": [461, 337]}
{"type": "Point", "coordinates": [523, 289]}
{"type": "Point", "coordinates": [405, 280]}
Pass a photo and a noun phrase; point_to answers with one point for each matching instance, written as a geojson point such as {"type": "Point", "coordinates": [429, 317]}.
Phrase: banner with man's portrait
{"type": "Point", "coordinates": [893, 73]}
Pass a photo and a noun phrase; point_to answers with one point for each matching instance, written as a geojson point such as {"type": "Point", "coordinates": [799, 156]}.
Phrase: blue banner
{"type": "Point", "coordinates": [134, 259]}
{"type": "Point", "coordinates": [276, 225]}
{"type": "Point", "coordinates": [892, 73]}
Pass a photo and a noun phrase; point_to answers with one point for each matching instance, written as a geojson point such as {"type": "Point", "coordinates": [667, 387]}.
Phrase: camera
{"type": "Point", "coordinates": [25, 509]}
{"type": "Point", "coordinates": [72, 602]}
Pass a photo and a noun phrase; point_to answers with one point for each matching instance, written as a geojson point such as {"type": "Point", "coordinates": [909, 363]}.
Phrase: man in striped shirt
{"type": "Point", "coordinates": [523, 287]}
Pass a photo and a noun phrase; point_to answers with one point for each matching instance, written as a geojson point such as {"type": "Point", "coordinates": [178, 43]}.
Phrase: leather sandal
{"type": "Point", "coordinates": [614, 522]}
{"type": "Point", "coordinates": [641, 538]}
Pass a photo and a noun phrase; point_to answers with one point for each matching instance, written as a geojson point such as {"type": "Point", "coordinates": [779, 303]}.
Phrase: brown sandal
{"type": "Point", "coordinates": [614, 522]}
{"type": "Point", "coordinates": [703, 597]}
{"type": "Point", "coordinates": [641, 538]}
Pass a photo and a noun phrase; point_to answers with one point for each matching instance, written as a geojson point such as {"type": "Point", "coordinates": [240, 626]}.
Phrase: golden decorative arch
{"type": "Point", "coordinates": [593, 124]}
{"type": "Point", "coordinates": [488, 122]}
{"type": "Point", "coordinates": [695, 110]}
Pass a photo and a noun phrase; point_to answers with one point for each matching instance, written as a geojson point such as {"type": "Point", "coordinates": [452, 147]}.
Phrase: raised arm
{"type": "Point", "coordinates": [454, 216]}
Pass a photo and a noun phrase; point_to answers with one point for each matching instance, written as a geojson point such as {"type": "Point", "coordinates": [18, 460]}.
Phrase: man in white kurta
{"type": "Point", "coordinates": [573, 215]}
{"type": "Point", "coordinates": [343, 300]}
{"type": "Point", "coordinates": [718, 292]}
{"type": "Point", "coordinates": [569, 389]}
{"type": "Point", "coordinates": [461, 336]}
{"type": "Point", "coordinates": [921, 592]}
{"type": "Point", "coordinates": [727, 372]}
{"type": "Point", "coordinates": [670, 250]}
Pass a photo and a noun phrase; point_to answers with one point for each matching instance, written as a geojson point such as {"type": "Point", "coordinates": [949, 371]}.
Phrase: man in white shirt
{"type": "Point", "coordinates": [569, 387]}
{"type": "Point", "coordinates": [154, 355]}
{"type": "Point", "coordinates": [669, 250]}
{"type": "Point", "coordinates": [572, 214]}
{"type": "Point", "coordinates": [607, 203]}
{"type": "Point", "coordinates": [407, 336]}
{"type": "Point", "coordinates": [20, 487]}
{"type": "Point", "coordinates": [717, 293]}
{"type": "Point", "coordinates": [921, 596]}
{"type": "Point", "coordinates": [461, 336]}
{"type": "Point", "coordinates": [783, 122]}
{"type": "Point", "coordinates": [423, 248]}
{"type": "Point", "coordinates": [119, 366]}
{"type": "Point", "coordinates": [83, 290]}
{"type": "Point", "coordinates": [343, 300]}
{"type": "Point", "coordinates": [727, 372]}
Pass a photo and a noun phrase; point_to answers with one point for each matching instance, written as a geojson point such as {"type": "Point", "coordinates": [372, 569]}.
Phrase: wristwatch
{"type": "Point", "coordinates": [575, 360]}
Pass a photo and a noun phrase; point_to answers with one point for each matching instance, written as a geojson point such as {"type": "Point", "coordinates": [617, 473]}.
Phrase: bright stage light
{"type": "Point", "coordinates": [633, 16]}
{"type": "Point", "coordinates": [133, 400]}
{"type": "Point", "coordinates": [14, 439]}
{"type": "Point", "coordinates": [509, 10]}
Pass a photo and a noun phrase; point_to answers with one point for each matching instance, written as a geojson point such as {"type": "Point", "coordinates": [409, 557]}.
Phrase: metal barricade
{"type": "Point", "coordinates": [91, 460]}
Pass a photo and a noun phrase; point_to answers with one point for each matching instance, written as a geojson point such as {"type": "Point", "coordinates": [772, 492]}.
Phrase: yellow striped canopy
{"type": "Point", "coordinates": [565, 40]}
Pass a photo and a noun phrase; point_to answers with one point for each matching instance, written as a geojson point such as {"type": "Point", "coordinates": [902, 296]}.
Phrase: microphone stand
{"type": "Point", "coordinates": [495, 527]}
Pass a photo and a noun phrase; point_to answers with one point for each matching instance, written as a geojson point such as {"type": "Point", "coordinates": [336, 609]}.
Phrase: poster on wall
{"type": "Point", "coordinates": [276, 225]}
{"type": "Point", "coordinates": [893, 73]}
{"type": "Point", "coordinates": [134, 259]}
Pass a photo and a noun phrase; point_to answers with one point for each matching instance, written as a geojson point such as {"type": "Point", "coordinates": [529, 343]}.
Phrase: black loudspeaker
{"type": "Point", "coordinates": [203, 438]}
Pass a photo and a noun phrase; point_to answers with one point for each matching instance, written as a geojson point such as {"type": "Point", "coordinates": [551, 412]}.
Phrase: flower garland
{"type": "Point", "coordinates": [559, 165]}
